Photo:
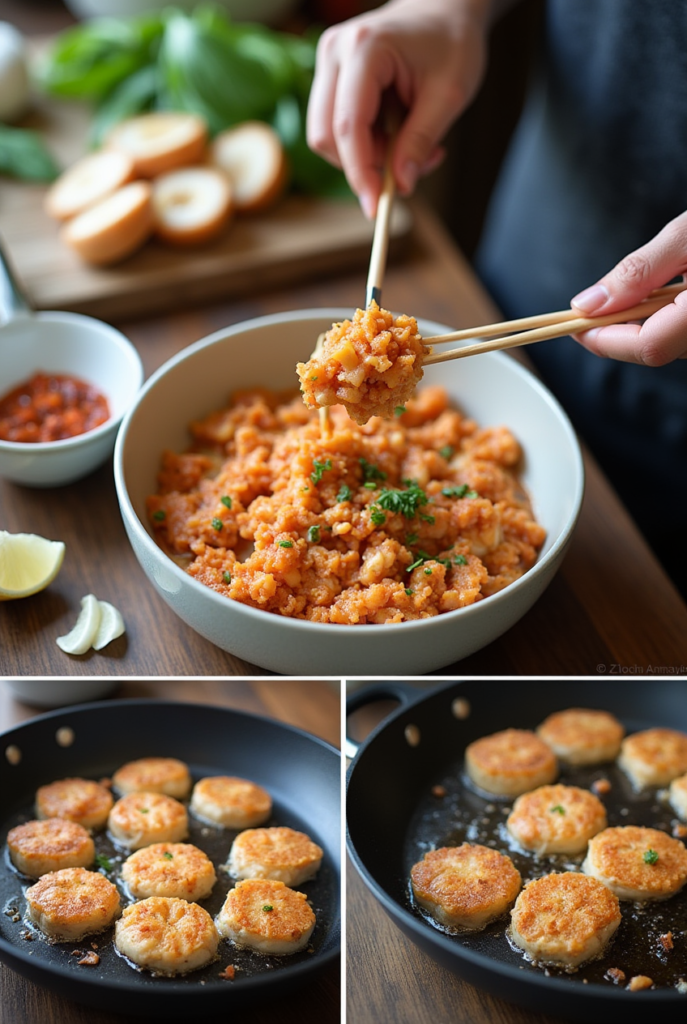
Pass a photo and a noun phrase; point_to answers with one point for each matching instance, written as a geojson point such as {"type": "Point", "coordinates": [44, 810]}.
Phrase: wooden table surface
{"type": "Point", "coordinates": [610, 609]}
{"type": "Point", "coordinates": [311, 705]}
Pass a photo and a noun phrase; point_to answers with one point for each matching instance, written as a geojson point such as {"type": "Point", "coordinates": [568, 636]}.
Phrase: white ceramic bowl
{"type": "Point", "coordinates": [269, 11]}
{"type": "Point", "coordinates": [56, 693]}
{"type": "Point", "coordinates": [82, 347]}
{"type": "Point", "coordinates": [493, 389]}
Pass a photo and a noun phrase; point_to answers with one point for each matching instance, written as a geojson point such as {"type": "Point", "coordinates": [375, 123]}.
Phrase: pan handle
{"type": "Point", "coordinates": [402, 692]}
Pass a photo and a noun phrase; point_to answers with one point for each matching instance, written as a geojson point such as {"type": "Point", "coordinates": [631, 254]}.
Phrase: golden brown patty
{"type": "Point", "coordinates": [42, 846]}
{"type": "Point", "coordinates": [510, 762]}
{"type": "Point", "coordinates": [281, 854]}
{"type": "Point", "coordinates": [465, 886]}
{"type": "Point", "coordinates": [582, 735]}
{"type": "Point", "coordinates": [556, 819]}
{"type": "Point", "coordinates": [81, 800]}
{"type": "Point", "coordinates": [154, 775]}
{"type": "Point", "coordinates": [167, 936]}
{"type": "Point", "coordinates": [637, 863]}
{"type": "Point", "coordinates": [266, 916]}
{"type": "Point", "coordinates": [178, 870]}
{"type": "Point", "coordinates": [678, 796]}
{"type": "Point", "coordinates": [140, 819]}
{"type": "Point", "coordinates": [654, 757]}
{"type": "Point", "coordinates": [231, 802]}
{"type": "Point", "coordinates": [71, 903]}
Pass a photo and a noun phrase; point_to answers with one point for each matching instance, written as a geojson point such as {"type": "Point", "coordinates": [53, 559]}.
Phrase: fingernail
{"type": "Point", "coordinates": [368, 205]}
{"type": "Point", "coordinates": [410, 172]}
{"type": "Point", "coordinates": [591, 299]}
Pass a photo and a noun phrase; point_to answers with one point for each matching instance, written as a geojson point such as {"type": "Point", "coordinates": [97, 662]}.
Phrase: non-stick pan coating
{"type": "Point", "coordinates": [390, 778]}
{"type": "Point", "coordinates": [300, 771]}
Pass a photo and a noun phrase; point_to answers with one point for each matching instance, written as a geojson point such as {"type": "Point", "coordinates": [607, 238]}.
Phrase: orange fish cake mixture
{"type": "Point", "coordinates": [370, 364]}
{"type": "Point", "coordinates": [395, 520]}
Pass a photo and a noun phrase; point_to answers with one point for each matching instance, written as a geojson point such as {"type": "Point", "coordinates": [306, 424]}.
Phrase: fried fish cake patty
{"type": "Point", "coordinates": [178, 870]}
{"type": "Point", "coordinates": [38, 847]}
{"type": "Point", "coordinates": [266, 916]}
{"type": "Point", "coordinates": [141, 819]}
{"type": "Point", "coordinates": [511, 762]}
{"type": "Point", "coordinates": [282, 854]}
{"type": "Point", "coordinates": [465, 886]}
{"type": "Point", "coordinates": [84, 801]}
{"type": "Point", "coordinates": [637, 863]}
{"type": "Point", "coordinates": [71, 903]}
{"type": "Point", "coordinates": [166, 935]}
{"type": "Point", "coordinates": [654, 757]}
{"type": "Point", "coordinates": [678, 796]}
{"type": "Point", "coordinates": [564, 919]}
{"type": "Point", "coordinates": [556, 819]}
{"type": "Point", "coordinates": [582, 735]}
{"type": "Point", "coordinates": [154, 775]}
{"type": "Point", "coordinates": [231, 802]}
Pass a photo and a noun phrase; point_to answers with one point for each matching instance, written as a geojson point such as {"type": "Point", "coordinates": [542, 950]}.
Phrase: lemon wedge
{"type": "Point", "coordinates": [28, 563]}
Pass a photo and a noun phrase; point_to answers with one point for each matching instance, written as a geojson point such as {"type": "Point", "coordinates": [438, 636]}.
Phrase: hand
{"type": "Point", "coordinates": [431, 53]}
{"type": "Point", "coordinates": [662, 337]}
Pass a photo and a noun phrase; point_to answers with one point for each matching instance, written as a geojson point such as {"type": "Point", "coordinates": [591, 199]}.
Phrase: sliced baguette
{"type": "Point", "coordinates": [113, 228]}
{"type": "Point", "coordinates": [191, 205]}
{"type": "Point", "coordinates": [252, 156]}
{"type": "Point", "coordinates": [86, 182]}
{"type": "Point", "coordinates": [160, 142]}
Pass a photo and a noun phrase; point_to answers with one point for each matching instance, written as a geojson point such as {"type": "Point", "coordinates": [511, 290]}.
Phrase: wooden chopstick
{"type": "Point", "coordinates": [553, 325]}
{"type": "Point", "coordinates": [380, 239]}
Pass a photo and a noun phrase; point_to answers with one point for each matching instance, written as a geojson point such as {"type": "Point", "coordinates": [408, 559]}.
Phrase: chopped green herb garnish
{"type": "Point", "coordinates": [463, 491]}
{"type": "Point", "coordinates": [371, 485]}
{"type": "Point", "coordinates": [377, 517]}
{"type": "Point", "coordinates": [285, 543]}
{"type": "Point", "coordinates": [144, 810]}
{"type": "Point", "coordinates": [226, 576]}
{"type": "Point", "coordinates": [399, 410]}
{"type": "Point", "coordinates": [103, 862]}
{"type": "Point", "coordinates": [650, 856]}
{"type": "Point", "coordinates": [314, 378]}
{"type": "Point", "coordinates": [344, 493]}
{"type": "Point", "coordinates": [427, 519]}
{"type": "Point", "coordinates": [305, 489]}
{"type": "Point", "coordinates": [319, 468]}
{"type": "Point", "coordinates": [267, 907]}
{"type": "Point", "coordinates": [226, 500]}
{"type": "Point", "coordinates": [460, 560]}
{"type": "Point", "coordinates": [415, 564]}
{"type": "Point", "coordinates": [557, 809]}
{"type": "Point", "coordinates": [160, 515]}
{"type": "Point", "coordinates": [167, 855]}
{"type": "Point", "coordinates": [428, 572]}
{"type": "Point", "coordinates": [371, 472]}
{"type": "Point", "coordinates": [409, 591]}
{"type": "Point", "coordinates": [446, 452]}
{"type": "Point", "coordinates": [314, 534]}
{"type": "Point", "coordinates": [217, 524]}
{"type": "Point", "coordinates": [405, 502]}
{"type": "Point", "coordinates": [412, 538]}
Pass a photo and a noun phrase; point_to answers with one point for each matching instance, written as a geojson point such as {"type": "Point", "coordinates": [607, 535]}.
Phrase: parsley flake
{"type": "Point", "coordinates": [371, 485]}
{"type": "Point", "coordinates": [226, 576]}
{"type": "Point", "coordinates": [103, 862]}
{"type": "Point", "coordinates": [460, 560]}
{"type": "Point", "coordinates": [314, 534]}
{"type": "Point", "coordinates": [267, 907]}
{"type": "Point", "coordinates": [399, 410]}
{"type": "Point", "coordinates": [409, 591]}
{"type": "Point", "coordinates": [428, 572]}
{"type": "Point", "coordinates": [378, 517]}
{"type": "Point", "coordinates": [404, 502]}
{"type": "Point", "coordinates": [160, 515]}
{"type": "Point", "coordinates": [226, 501]}
{"type": "Point", "coordinates": [371, 472]}
{"type": "Point", "coordinates": [557, 809]}
{"type": "Point", "coordinates": [217, 524]}
{"type": "Point", "coordinates": [463, 491]}
{"type": "Point", "coordinates": [285, 543]}
{"type": "Point", "coordinates": [412, 538]}
{"type": "Point", "coordinates": [167, 855]}
{"type": "Point", "coordinates": [344, 493]}
{"type": "Point", "coordinates": [650, 856]}
{"type": "Point", "coordinates": [446, 452]}
{"type": "Point", "coordinates": [319, 468]}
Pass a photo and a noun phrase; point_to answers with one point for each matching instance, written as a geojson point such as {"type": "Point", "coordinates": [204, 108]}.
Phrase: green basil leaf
{"type": "Point", "coordinates": [23, 154]}
{"type": "Point", "coordinates": [136, 94]}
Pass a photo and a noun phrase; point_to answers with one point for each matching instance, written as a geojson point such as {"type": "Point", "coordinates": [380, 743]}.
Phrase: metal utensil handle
{"type": "Point", "coordinates": [404, 693]}
{"type": "Point", "coordinates": [13, 301]}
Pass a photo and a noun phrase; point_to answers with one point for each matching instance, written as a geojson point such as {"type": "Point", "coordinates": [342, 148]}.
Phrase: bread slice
{"type": "Point", "coordinates": [253, 158]}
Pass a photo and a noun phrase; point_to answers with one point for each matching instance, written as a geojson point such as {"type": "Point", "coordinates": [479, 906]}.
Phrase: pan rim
{"type": "Point", "coordinates": [265, 982]}
{"type": "Point", "coordinates": [407, 921]}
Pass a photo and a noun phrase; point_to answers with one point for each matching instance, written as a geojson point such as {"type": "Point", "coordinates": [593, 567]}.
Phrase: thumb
{"type": "Point", "coordinates": [651, 266]}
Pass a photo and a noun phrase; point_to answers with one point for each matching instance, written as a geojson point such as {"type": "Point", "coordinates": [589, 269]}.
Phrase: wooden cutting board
{"type": "Point", "coordinates": [299, 238]}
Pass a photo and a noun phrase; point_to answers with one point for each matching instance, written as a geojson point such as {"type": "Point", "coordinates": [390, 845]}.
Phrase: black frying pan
{"type": "Point", "coordinates": [389, 806]}
{"type": "Point", "coordinates": [301, 772]}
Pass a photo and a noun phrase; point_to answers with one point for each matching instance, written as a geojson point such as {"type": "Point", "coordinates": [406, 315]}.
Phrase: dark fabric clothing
{"type": "Point", "coordinates": [598, 165]}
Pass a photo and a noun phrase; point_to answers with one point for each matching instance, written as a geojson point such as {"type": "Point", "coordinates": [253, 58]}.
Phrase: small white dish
{"type": "Point", "coordinates": [56, 693]}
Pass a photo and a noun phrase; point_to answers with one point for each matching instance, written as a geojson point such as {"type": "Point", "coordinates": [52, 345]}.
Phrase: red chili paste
{"type": "Point", "coordinates": [51, 407]}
